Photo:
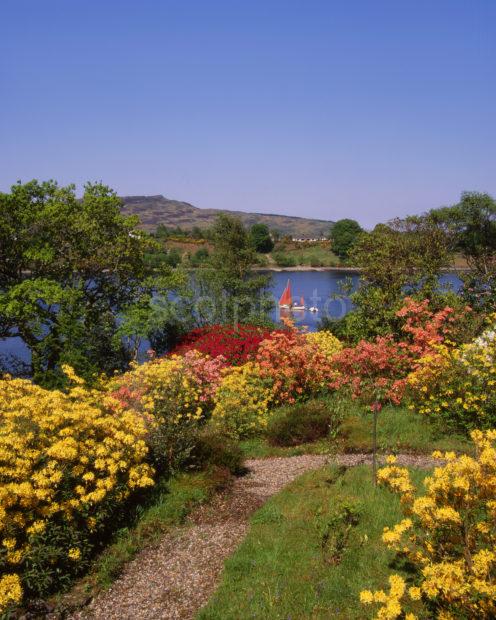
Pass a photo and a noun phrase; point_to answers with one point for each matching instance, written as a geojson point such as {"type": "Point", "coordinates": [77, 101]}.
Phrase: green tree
{"type": "Point", "coordinates": [261, 239]}
{"type": "Point", "coordinates": [343, 235]}
{"type": "Point", "coordinates": [230, 290]}
{"type": "Point", "coordinates": [68, 267]}
{"type": "Point", "coordinates": [470, 226]}
{"type": "Point", "coordinates": [404, 257]}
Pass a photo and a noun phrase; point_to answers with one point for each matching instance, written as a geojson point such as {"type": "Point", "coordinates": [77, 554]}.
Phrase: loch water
{"type": "Point", "coordinates": [327, 290]}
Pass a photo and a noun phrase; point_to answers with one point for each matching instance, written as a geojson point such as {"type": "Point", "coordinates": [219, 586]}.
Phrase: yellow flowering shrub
{"type": "Point", "coordinates": [66, 461]}
{"type": "Point", "coordinates": [159, 387]}
{"type": "Point", "coordinates": [242, 400]}
{"type": "Point", "coordinates": [168, 394]}
{"type": "Point", "coordinates": [326, 342]}
{"type": "Point", "coordinates": [457, 385]}
{"type": "Point", "coordinates": [449, 535]}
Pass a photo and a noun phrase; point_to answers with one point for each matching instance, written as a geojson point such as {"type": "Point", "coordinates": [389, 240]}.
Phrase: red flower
{"type": "Point", "coordinates": [237, 345]}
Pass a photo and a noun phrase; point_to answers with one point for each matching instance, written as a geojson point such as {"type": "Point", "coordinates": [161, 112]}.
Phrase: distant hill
{"type": "Point", "coordinates": [155, 210]}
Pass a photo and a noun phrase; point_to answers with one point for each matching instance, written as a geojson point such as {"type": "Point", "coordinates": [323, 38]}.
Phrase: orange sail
{"type": "Point", "coordinates": [286, 296]}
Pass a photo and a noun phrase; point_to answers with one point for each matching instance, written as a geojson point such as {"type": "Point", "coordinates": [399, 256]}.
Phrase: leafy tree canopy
{"type": "Point", "coordinates": [231, 290]}
{"type": "Point", "coordinates": [261, 239]}
{"type": "Point", "coordinates": [343, 236]}
{"type": "Point", "coordinates": [68, 267]}
{"type": "Point", "coordinates": [470, 226]}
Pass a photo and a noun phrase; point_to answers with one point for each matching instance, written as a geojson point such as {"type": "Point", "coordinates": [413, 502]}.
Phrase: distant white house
{"type": "Point", "coordinates": [308, 239]}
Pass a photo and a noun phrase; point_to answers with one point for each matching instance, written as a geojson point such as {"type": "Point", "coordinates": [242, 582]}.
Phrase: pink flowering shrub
{"type": "Point", "coordinates": [206, 372]}
{"type": "Point", "coordinates": [195, 376]}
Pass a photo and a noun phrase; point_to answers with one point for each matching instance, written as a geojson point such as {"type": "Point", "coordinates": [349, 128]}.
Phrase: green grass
{"type": "Point", "coordinates": [259, 448]}
{"type": "Point", "coordinates": [281, 570]}
{"type": "Point", "coordinates": [313, 256]}
{"type": "Point", "coordinates": [398, 430]}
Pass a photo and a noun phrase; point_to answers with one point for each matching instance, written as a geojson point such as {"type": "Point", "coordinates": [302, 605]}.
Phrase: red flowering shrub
{"type": "Point", "coordinates": [377, 370]}
{"type": "Point", "coordinates": [236, 345]}
{"type": "Point", "coordinates": [296, 366]}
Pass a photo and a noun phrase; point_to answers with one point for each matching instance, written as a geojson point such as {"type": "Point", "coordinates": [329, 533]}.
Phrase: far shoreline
{"type": "Point", "coordinates": [304, 268]}
{"type": "Point", "coordinates": [308, 268]}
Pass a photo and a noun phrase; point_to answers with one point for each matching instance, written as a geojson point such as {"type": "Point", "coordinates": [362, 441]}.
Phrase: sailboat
{"type": "Point", "coordinates": [301, 306]}
{"type": "Point", "coordinates": [286, 298]}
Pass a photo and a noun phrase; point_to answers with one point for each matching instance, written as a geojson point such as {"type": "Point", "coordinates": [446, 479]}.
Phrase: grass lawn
{"type": "Point", "coordinates": [282, 570]}
{"type": "Point", "coordinates": [398, 430]}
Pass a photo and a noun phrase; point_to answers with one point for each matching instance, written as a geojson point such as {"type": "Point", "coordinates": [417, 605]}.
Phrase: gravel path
{"type": "Point", "coordinates": [176, 578]}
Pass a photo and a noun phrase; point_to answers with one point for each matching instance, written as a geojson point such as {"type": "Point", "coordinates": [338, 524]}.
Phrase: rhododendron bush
{"type": "Point", "coordinates": [448, 535]}
{"type": "Point", "coordinates": [326, 342]}
{"type": "Point", "coordinates": [189, 381]}
{"type": "Point", "coordinates": [67, 461]}
{"type": "Point", "coordinates": [242, 401]}
{"type": "Point", "coordinates": [236, 344]}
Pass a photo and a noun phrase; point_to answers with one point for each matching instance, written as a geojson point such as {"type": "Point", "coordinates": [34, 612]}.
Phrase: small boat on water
{"type": "Point", "coordinates": [313, 309]}
{"type": "Point", "coordinates": [286, 301]}
{"type": "Point", "coordinates": [301, 306]}
{"type": "Point", "coordinates": [286, 297]}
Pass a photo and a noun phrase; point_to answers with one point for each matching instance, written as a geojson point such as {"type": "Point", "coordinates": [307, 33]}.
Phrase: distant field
{"type": "Point", "coordinates": [155, 210]}
{"type": "Point", "coordinates": [303, 254]}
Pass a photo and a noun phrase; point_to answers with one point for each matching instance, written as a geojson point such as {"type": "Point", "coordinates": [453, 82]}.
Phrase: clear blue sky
{"type": "Point", "coordinates": [366, 109]}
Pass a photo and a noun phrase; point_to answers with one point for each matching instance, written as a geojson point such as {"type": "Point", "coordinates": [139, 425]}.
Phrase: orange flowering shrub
{"type": "Point", "coordinates": [295, 365]}
{"type": "Point", "coordinates": [378, 370]}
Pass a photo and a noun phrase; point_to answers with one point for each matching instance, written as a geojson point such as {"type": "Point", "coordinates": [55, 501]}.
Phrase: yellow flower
{"type": "Point", "coordinates": [74, 554]}
{"type": "Point", "coordinates": [10, 591]}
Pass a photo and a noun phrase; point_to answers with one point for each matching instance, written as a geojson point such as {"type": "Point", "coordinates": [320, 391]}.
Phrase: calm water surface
{"type": "Point", "coordinates": [325, 290]}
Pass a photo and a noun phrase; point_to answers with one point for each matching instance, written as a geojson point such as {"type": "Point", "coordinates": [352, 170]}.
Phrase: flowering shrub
{"type": "Point", "coordinates": [242, 400]}
{"type": "Point", "coordinates": [326, 342]}
{"type": "Point", "coordinates": [449, 535]}
{"type": "Point", "coordinates": [295, 365]}
{"type": "Point", "coordinates": [236, 345]}
{"type": "Point", "coordinates": [172, 395]}
{"type": "Point", "coordinates": [457, 385]}
{"type": "Point", "coordinates": [373, 370]}
{"type": "Point", "coordinates": [423, 328]}
{"type": "Point", "coordinates": [66, 463]}
{"type": "Point", "coordinates": [378, 370]}
{"type": "Point", "coordinates": [147, 387]}
{"type": "Point", "coordinates": [206, 372]}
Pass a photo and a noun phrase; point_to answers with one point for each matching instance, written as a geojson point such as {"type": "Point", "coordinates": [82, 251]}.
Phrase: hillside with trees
{"type": "Point", "coordinates": [155, 210]}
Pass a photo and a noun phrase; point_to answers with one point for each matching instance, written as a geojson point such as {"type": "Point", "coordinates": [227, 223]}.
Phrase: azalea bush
{"type": "Point", "coordinates": [295, 365]}
{"type": "Point", "coordinates": [236, 344]}
{"type": "Point", "coordinates": [172, 395]}
{"type": "Point", "coordinates": [242, 401]}
{"type": "Point", "coordinates": [378, 369]}
{"type": "Point", "coordinates": [448, 535]}
{"type": "Point", "coordinates": [157, 381]}
{"type": "Point", "coordinates": [456, 385]}
{"type": "Point", "coordinates": [67, 462]}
